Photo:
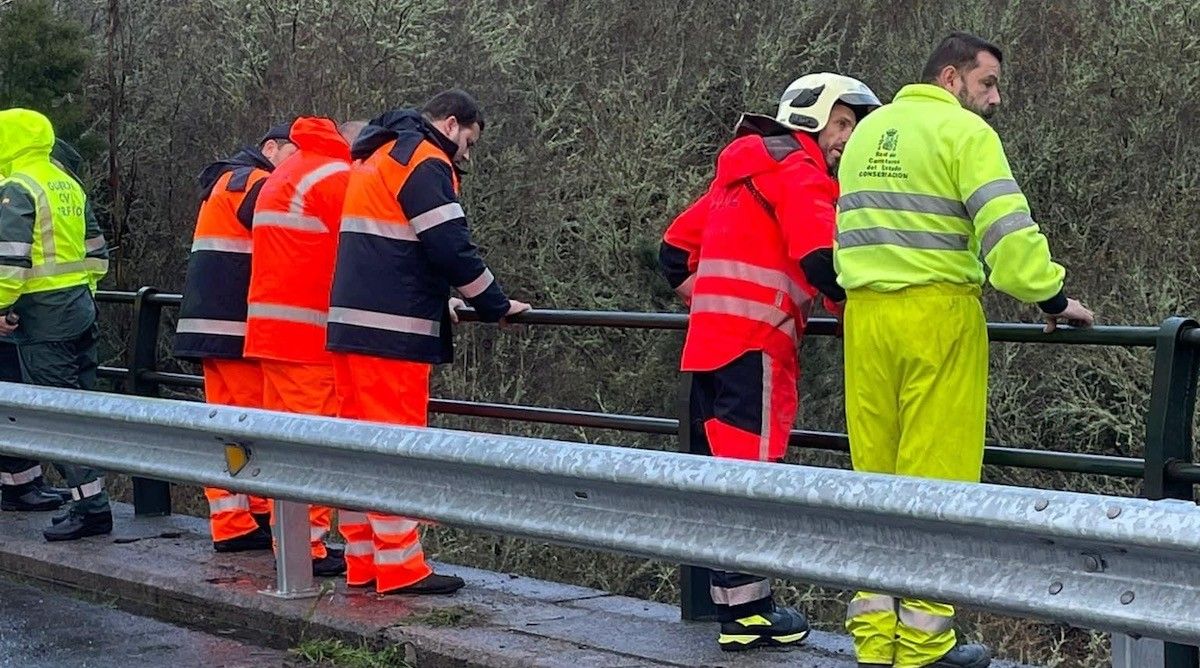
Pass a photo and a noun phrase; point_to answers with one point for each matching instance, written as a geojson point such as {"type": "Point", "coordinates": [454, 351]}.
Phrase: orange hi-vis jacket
{"type": "Point", "coordinates": [212, 318]}
{"type": "Point", "coordinates": [295, 242]}
{"type": "Point", "coordinates": [751, 241]}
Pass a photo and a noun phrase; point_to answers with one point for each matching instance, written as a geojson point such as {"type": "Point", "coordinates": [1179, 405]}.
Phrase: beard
{"type": "Point", "coordinates": [985, 111]}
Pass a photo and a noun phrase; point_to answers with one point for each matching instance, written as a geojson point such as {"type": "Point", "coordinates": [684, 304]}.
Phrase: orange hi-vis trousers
{"type": "Point", "coordinates": [379, 547]}
{"type": "Point", "coordinates": [306, 389]}
{"type": "Point", "coordinates": [233, 382]}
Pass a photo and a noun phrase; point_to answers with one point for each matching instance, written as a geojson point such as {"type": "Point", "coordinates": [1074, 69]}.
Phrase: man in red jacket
{"type": "Point", "coordinates": [749, 257]}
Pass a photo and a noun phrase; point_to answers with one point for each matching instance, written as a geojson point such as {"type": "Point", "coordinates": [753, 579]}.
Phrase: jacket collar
{"type": "Point", "coordinates": [927, 92]}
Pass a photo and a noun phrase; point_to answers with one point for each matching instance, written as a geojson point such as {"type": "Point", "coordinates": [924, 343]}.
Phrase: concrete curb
{"type": "Point", "coordinates": [165, 568]}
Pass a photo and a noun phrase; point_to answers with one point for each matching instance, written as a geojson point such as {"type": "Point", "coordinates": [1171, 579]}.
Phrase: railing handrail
{"type": "Point", "coordinates": [999, 332]}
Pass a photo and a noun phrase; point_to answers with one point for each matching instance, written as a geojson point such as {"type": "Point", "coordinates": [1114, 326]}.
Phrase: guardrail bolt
{"type": "Point", "coordinates": [1093, 564]}
{"type": "Point", "coordinates": [1056, 587]}
{"type": "Point", "coordinates": [1041, 505]}
{"type": "Point", "coordinates": [242, 417]}
{"type": "Point", "coordinates": [1127, 598]}
{"type": "Point", "coordinates": [1114, 512]}
{"type": "Point", "coordinates": [212, 414]}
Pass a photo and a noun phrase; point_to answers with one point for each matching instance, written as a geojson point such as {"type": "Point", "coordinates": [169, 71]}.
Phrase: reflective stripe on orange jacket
{"type": "Point", "coordinates": [404, 244]}
{"type": "Point", "coordinates": [295, 240]}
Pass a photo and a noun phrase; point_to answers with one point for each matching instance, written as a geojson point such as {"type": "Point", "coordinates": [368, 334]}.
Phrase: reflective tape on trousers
{"type": "Point", "coordinates": [747, 593]}
{"type": "Point", "coordinates": [872, 603]}
{"type": "Point", "coordinates": [924, 621]}
{"type": "Point", "coordinates": [21, 477]}
{"type": "Point", "coordinates": [228, 503]}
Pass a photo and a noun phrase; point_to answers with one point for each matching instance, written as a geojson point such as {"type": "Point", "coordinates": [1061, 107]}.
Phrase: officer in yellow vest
{"type": "Point", "coordinates": [52, 255]}
{"type": "Point", "coordinates": [926, 195]}
{"type": "Point", "coordinates": [22, 487]}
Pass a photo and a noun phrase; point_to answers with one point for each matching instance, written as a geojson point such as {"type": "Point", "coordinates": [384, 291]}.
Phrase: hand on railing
{"type": "Point", "coordinates": [455, 304]}
{"type": "Point", "coordinates": [1075, 315]}
{"type": "Point", "coordinates": [514, 307]}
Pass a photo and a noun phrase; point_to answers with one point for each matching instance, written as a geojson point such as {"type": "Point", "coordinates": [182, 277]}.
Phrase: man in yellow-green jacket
{"type": "Point", "coordinates": [52, 255]}
{"type": "Point", "coordinates": [927, 198]}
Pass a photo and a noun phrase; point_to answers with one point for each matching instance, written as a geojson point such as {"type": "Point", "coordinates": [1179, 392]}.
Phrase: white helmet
{"type": "Point", "coordinates": [808, 101]}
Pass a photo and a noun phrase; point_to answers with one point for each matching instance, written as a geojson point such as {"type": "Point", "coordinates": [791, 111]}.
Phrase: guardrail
{"type": "Point", "coordinates": [1167, 470]}
{"type": "Point", "coordinates": [1115, 564]}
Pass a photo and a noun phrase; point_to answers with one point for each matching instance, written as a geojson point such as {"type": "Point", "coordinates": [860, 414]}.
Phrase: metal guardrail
{"type": "Point", "coordinates": [1168, 469]}
{"type": "Point", "coordinates": [1122, 565]}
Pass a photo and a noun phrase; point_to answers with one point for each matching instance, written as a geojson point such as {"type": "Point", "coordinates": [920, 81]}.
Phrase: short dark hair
{"type": "Point", "coordinates": [457, 103]}
{"type": "Point", "coordinates": [960, 50]}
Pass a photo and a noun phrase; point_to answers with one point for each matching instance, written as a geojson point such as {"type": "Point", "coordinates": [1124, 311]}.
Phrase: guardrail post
{"type": "Point", "coordinates": [151, 498]}
{"type": "Point", "coordinates": [1168, 441]}
{"type": "Point", "coordinates": [293, 558]}
{"type": "Point", "coordinates": [695, 599]}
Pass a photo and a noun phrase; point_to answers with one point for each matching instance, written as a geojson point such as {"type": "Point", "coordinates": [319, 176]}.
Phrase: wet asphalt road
{"type": "Point", "coordinates": [40, 628]}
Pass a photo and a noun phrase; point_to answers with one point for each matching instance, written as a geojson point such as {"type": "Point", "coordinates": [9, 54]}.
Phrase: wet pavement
{"type": "Point", "coordinates": [41, 628]}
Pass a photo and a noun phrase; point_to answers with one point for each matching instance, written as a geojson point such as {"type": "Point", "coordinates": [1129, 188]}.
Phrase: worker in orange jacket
{"type": "Point", "coordinates": [750, 257]}
{"type": "Point", "coordinates": [404, 244]}
{"type": "Point", "coordinates": [295, 238]}
{"type": "Point", "coordinates": [212, 318]}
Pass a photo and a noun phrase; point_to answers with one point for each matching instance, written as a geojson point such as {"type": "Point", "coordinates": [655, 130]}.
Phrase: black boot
{"type": "Point", "coordinates": [255, 540]}
{"type": "Point", "coordinates": [964, 656]}
{"type": "Point", "coordinates": [431, 585]}
{"type": "Point", "coordinates": [60, 517]}
{"type": "Point", "coordinates": [334, 563]}
{"type": "Point", "coordinates": [783, 627]}
{"type": "Point", "coordinates": [264, 521]}
{"type": "Point", "coordinates": [77, 526]}
{"type": "Point", "coordinates": [28, 498]}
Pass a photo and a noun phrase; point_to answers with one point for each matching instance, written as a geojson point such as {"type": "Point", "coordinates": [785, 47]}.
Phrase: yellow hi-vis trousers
{"type": "Point", "coordinates": [916, 405]}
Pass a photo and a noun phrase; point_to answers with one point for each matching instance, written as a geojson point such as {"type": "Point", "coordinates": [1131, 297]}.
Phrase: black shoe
{"type": "Point", "coordinates": [334, 563]}
{"type": "Point", "coordinates": [60, 518]}
{"type": "Point", "coordinates": [80, 526]}
{"type": "Point", "coordinates": [35, 499]}
{"type": "Point", "coordinates": [255, 540]}
{"type": "Point", "coordinates": [964, 656]}
{"type": "Point", "coordinates": [264, 521]}
{"type": "Point", "coordinates": [785, 627]}
{"type": "Point", "coordinates": [431, 585]}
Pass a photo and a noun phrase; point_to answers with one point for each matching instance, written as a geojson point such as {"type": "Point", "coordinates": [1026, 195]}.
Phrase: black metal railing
{"type": "Point", "coordinates": [1167, 471]}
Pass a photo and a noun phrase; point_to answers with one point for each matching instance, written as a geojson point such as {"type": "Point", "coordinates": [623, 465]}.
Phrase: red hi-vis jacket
{"type": "Point", "coordinates": [212, 318]}
{"type": "Point", "coordinates": [295, 242]}
{"type": "Point", "coordinates": [759, 242]}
